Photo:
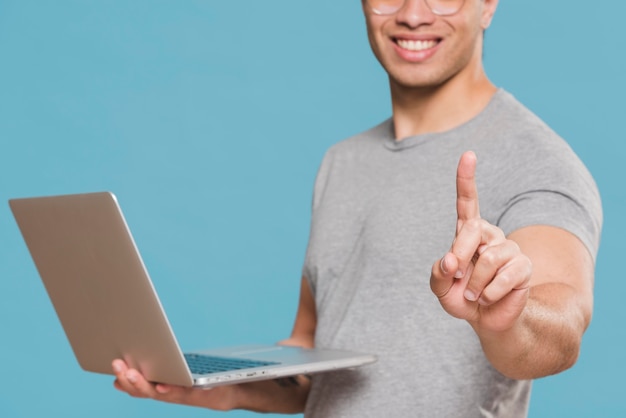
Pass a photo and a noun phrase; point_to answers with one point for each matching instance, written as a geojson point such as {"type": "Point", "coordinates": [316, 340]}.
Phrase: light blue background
{"type": "Point", "coordinates": [209, 119]}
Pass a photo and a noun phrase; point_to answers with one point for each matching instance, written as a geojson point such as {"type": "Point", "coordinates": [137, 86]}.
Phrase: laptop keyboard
{"type": "Point", "coordinates": [203, 364]}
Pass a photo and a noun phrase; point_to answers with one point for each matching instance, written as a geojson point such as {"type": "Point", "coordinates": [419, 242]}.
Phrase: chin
{"type": "Point", "coordinates": [419, 83]}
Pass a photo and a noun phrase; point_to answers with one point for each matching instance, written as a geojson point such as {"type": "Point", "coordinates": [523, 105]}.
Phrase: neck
{"type": "Point", "coordinates": [420, 110]}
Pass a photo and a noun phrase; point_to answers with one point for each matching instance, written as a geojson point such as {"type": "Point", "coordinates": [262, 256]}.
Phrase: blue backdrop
{"type": "Point", "coordinates": [209, 119]}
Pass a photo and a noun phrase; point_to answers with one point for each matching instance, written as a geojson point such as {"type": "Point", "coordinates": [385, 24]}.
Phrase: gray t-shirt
{"type": "Point", "coordinates": [383, 212]}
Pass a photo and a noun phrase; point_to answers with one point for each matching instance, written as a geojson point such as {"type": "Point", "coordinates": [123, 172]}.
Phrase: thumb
{"type": "Point", "coordinates": [442, 275]}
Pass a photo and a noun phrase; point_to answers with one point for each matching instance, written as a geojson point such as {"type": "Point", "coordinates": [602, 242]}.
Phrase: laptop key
{"type": "Point", "coordinates": [204, 364]}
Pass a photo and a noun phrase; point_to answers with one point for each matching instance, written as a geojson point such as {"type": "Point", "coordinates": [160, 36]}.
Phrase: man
{"type": "Point", "coordinates": [463, 304]}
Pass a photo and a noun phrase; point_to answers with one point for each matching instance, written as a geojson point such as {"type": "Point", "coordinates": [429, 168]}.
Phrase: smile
{"type": "Point", "coordinates": [412, 45]}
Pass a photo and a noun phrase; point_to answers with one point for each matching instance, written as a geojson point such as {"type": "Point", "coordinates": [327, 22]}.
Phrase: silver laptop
{"type": "Point", "coordinates": [109, 309]}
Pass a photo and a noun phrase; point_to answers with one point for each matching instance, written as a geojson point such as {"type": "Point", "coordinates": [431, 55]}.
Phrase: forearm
{"type": "Point", "coordinates": [545, 339]}
{"type": "Point", "coordinates": [284, 396]}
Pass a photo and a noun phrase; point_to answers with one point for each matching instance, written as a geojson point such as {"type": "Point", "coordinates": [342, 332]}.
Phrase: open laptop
{"type": "Point", "coordinates": [109, 309]}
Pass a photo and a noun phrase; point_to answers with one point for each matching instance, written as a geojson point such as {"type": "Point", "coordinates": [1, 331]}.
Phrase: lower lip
{"type": "Point", "coordinates": [415, 56]}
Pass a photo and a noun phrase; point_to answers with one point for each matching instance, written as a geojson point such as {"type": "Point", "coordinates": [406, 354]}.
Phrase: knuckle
{"type": "Point", "coordinates": [522, 265]}
{"type": "Point", "coordinates": [493, 229]}
{"type": "Point", "coordinates": [505, 281]}
{"type": "Point", "coordinates": [527, 262]}
{"type": "Point", "coordinates": [465, 250]}
{"type": "Point", "coordinates": [463, 253]}
{"type": "Point", "coordinates": [489, 257]}
{"type": "Point", "coordinates": [474, 224]}
{"type": "Point", "coordinates": [513, 246]}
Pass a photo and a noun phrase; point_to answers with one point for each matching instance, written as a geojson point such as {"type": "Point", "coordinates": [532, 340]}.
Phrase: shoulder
{"type": "Point", "coordinates": [345, 159]}
{"type": "Point", "coordinates": [513, 124]}
{"type": "Point", "coordinates": [530, 174]}
{"type": "Point", "coordinates": [514, 140]}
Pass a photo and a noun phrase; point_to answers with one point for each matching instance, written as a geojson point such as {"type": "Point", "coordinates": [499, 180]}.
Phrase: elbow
{"type": "Point", "coordinates": [549, 353]}
{"type": "Point", "coordinates": [567, 357]}
{"type": "Point", "coordinates": [570, 343]}
{"type": "Point", "coordinates": [558, 346]}
{"type": "Point", "coordinates": [541, 362]}
{"type": "Point", "coordinates": [557, 358]}
{"type": "Point", "coordinates": [571, 340]}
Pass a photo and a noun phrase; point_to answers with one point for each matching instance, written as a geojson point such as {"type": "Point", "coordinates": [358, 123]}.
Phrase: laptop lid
{"type": "Point", "coordinates": [98, 285]}
{"type": "Point", "coordinates": [107, 304]}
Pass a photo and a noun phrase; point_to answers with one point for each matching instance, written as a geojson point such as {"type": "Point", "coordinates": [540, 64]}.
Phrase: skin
{"type": "Point", "coordinates": [265, 396]}
{"type": "Point", "coordinates": [444, 86]}
{"type": "Point", "coordinates": [528, 296]}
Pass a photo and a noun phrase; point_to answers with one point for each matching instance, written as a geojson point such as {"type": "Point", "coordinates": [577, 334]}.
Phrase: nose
{"type": "Point", "coordinates": [415, 13]}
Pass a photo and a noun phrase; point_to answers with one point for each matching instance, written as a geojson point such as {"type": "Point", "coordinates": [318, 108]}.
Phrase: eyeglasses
{"type": "Point", "coordinates": [438, 7]}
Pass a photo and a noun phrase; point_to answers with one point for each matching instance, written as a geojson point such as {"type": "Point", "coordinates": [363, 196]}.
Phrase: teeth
{"type": "Point", "coordinates": [416, 45]}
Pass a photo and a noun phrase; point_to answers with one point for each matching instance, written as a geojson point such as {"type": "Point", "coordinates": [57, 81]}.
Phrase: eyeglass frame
{"type": "Point", "coordinates": [379, 13]}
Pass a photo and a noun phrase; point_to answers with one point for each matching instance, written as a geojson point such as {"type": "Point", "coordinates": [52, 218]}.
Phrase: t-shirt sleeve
{"type": "Point", "coordinates": [533, 177]}
{"type": "Point", "coordinates": [308, 269]}
{"type": "Point", "coordinates": [580, 215]}
{"type": "Point", "coordinates": [550, 186]}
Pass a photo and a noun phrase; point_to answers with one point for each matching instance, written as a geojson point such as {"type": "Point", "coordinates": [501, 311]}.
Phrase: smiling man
{"type": "Point", "coordinates": [468, 273]}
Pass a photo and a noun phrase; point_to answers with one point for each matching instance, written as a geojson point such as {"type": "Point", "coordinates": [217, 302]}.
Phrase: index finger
{"type": "Point", "coordinates": [466, 191]}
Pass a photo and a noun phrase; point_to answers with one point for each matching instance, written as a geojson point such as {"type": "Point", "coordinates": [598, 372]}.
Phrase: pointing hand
{"type": "Point", "coordinates": [484, 278]}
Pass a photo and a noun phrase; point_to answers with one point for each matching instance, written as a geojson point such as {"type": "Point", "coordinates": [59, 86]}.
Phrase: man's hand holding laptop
{"type": "Point", "coordinates": [289, 394]}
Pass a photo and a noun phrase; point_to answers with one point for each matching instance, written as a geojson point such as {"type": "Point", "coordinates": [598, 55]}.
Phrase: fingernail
{"type": "Point", "coordinates": [458, 274]}
{"type": "Point", "coordinates": [443, 266]}
{"type": "Point", "coordinates": [131, 377]}
{"type": "Point", "coordinates": [469, 295]}
{"type": "Point", "coordinates": [116, 367]}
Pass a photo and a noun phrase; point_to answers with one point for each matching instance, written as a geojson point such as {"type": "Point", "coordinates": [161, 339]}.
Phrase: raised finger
{"type": "Point", "coordinates": [466, 191]}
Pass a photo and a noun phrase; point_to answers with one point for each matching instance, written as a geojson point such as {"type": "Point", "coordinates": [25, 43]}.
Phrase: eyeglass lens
{"type": "Point", "coordinates": [438, 7]}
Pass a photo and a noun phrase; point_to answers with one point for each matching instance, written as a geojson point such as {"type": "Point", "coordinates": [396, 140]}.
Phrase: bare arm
{"type": "Point", "coordinates": [546, 337]}
{"type": "Point", "coordinates": [280, 396]}
{"type": "Point", "coordinates": [527, 296]}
